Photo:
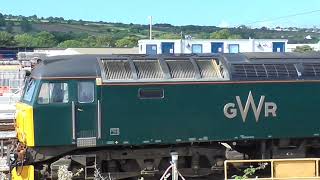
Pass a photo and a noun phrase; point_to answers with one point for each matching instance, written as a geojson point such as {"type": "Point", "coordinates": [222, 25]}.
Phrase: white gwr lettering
{"type": "Point", "coordinates": [230, 110]}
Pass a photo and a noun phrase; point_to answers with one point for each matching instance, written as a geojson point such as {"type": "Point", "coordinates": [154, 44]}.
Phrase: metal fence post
{"type": "Point", "coordinates": [2, 148]}
{"type": "Point", "coordinates": [174, 159]}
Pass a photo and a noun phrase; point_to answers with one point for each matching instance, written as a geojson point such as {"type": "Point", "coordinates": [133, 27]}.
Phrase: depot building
{"type": "Point", "coordinates": [174, 46]}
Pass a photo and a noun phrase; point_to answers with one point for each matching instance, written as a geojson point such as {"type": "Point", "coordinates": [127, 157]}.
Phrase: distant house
{"type": "Point", "coordinates": [171, 46]}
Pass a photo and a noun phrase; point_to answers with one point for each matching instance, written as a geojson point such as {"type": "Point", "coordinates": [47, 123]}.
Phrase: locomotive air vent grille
{"type": "Point", "coordinates": [117, 69]}
{"type": "Point", "coordinates": [266, 71]}
{"type": "Point", "coordinates": [209, 69]}
{"type": "Point", "coordinates": [148, 69]}
{"type": "Point", "coordinates": [311, 69]}
{"type": "Point", "coordinates": [182, 69]}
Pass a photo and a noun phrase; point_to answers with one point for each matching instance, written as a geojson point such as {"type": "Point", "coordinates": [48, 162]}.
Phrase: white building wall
{"type": "Point", "coordinates": [263, 45]}
{"type": "Point", "coordinates": [143, 47]}
{"type": "Point", "coordinates": [185, 46]}
{"type": "Point", "coordinates": [244, 45]}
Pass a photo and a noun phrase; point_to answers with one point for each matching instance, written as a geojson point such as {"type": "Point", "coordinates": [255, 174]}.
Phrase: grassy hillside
{"type": "Point", "coordinates": [72, 33]}
{"type": "Point", "coordinates": [200, 32]}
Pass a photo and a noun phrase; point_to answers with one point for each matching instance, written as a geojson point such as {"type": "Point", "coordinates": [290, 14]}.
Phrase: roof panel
{"type": "Point", "coordinates": [311, 69]}
{"type": "Point", "coordinates": [116, 70]}
{"type": "Point", "coordinates": [209, 68]}
{"type": "Point", "coordinates": [264, 71]}
{"type": "Point", "coordinates": [148, 69]}
{"type": "Point", "coordinates": [182, 69]}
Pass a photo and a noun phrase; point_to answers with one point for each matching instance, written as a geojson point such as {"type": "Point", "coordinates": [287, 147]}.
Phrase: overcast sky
{"type": "Point", "coordinates": [177, 12]}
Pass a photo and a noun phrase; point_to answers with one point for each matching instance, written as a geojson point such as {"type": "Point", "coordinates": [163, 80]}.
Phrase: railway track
{"type": "Point", "coordinates": [6, 121]}
{"type": "Point", "coordinates": [7, 126]}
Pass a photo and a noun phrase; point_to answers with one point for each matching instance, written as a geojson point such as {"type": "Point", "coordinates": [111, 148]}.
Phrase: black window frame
{"type": "Point", "coordinates": [50, 102]}
{"type": "Point", "coordinates": [93, 92]}
{"type": "Point", "coordinates": [141, 90]}
{"type": "Point", "coordinates": [30, 83]}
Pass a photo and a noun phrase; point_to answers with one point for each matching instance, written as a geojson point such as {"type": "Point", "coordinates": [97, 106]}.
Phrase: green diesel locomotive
{"type": "Point", "coordinates": [124, 114]}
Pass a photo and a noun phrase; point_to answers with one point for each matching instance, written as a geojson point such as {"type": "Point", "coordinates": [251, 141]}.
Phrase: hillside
{"type": "Point", "coordinates": [57, 32]}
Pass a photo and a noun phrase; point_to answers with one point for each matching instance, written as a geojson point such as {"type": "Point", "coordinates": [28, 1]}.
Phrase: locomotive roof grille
{"type": "Point", "coordinates": [181, 69]}
{"type": "Point", "coordinates": [311, 69]}
{"type": "Point", "coordinates": [161, 69]}
{"type": "Point", "coordinates": [264, 71]}
{"type": "Point", "coordinates": [148, 69]}
{"type": "Point", "coordinates": [209, 69]}
{"type": "Point", "coordinates": [117, 70]}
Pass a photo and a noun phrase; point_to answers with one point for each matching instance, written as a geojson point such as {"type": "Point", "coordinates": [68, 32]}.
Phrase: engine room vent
{"type": "Point", "coordinates": [182, 69]}
{"type": "Point", "coordinates": [136, 68]}
{"type": "Point", "coordinates": [209, 69]}
{"type": "Point", "coordinates": [264, 71]}
{"type": "Point", "coordinates": [148, 69]}
{"type": "Point", "coordinates": [311, 69]}
{"type": "Point", "coordinates": [117, 69]}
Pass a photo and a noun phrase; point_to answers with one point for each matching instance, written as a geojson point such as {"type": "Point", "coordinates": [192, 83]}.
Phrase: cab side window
{"type": "Point", "coordinates": [53, 93]}
{"type": "Point", "coordinates": [29, 90]}
{"type": "Point", "coordinates": [85, 92]}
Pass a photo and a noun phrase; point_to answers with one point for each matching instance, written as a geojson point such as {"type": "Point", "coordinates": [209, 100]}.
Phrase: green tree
{"type": "Point", "coordinates": [81, 22]}
{"type": "Point", "coordinates": [25, 40]}
{"type": "Point", "coordinates": [169, 36]}
{"type": "Point", "coordinates": [50, 19]}
{"type": "Point", "coordinates": [6, 39]}
{"type": "Point", "coordinates": [9, 26]}
{"type": "Point", "coordinates": [224, 34]}
{"type": "Point", "coordinates": [303, 49]}
{"type": "Point", "coordinates": [45, 39]}
{"type": "Point", "coordinates": [202, 35]}
{"type": "Point", "coordinates": [127, 42]}
{"type": "Point", "coordinates": [33, 17]}
{"type": "Point", "coordinates": [71, 44]}
{"type": "Point", "coordinates": [105, 41]}
{"type": "Point", "coordinates": [243, 27]}
{"type": "Point", "coordinates": [90, 41]}
{"type": "Point", "coordinates": [235, 36]}
{"type": "Point", "coordinates": [2, 20]}
{"type": "Point", "coordinates": [25, 25]}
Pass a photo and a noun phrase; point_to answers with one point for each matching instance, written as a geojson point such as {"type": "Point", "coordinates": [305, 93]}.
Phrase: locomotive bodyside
{"type": "Point", "coordinates": [195, 112]}
{"type": "Point", "coordinates": [130, 113]}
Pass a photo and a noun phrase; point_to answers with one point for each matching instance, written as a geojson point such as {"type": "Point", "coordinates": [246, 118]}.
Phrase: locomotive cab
{"type": "Point", "coordinates": [47, 104]}
{"type": "Point", "coordinates": [53, 113]}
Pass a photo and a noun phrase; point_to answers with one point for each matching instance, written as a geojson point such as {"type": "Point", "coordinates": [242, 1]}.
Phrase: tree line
{"type": "Point", "coordinates": [25, 32]}
{"type": "Point", "coordinates": [26, 36]}
{"type": "Point", "coordinates": [46, 39]}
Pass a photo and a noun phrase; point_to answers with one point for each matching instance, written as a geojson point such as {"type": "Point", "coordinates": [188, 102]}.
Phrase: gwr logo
{"type": "Point", "coordinates": [230, 110]}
